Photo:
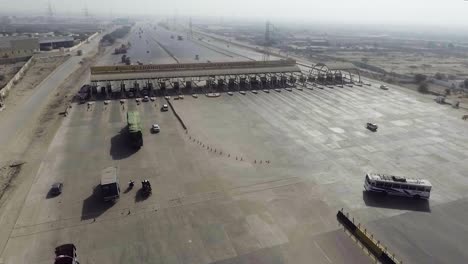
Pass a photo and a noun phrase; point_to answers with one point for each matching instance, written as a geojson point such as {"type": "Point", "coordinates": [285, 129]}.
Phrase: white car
{"type": "Point", "coordinates": [164, 108]}
{"type": "Point", "coordinates": [155, 128]}
{"type": "Point", "coordinates": [383, 87]}
{"type": "Point", "coordinates": [145, 99]}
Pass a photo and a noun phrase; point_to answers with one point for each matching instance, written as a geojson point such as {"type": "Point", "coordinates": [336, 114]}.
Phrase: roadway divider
{"type": "Point", "coordinates": [177, 115]}
{"type": "Point", "coordinates": [367, 239]}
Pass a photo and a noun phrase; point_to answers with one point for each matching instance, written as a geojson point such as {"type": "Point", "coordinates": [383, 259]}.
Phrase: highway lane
{"type": "Point", "coordinates": [157, 45]}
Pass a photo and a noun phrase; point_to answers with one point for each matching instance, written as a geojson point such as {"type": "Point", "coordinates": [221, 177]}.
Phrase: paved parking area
{"type": "Point", "coordinates": [257, 178]}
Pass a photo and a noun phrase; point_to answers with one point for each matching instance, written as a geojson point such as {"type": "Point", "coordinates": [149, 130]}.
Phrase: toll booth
{"type": "Point", "coordinates": [274, 81]}
{"type": "Point", "coordinates": [220, 83]}
{"type": "Point", "coordinates": [253, 82]}
{"type": "Point", "coordinates": [209, 83]}
{"type": "Point", "coordinates": [188, 85]}
{"type": "Point", "coordinates": [263, 81]}
{"type": "Point", "coordinates": [231, 83]}
{"type": "Point", "coordinates": [176, 86]}
{"type": "Point", "coordinates": [338, 78]}
{"type": "Point", "coordinates": [242, 83]}
{"type": "Point", "coordinates": [162, 86]}
{"type": "Point", "coordinates": [283, 81]}
{"type": "Point", "coordinates": [320, 78]}
{"type": "Point", "coordinates": [292, 79]}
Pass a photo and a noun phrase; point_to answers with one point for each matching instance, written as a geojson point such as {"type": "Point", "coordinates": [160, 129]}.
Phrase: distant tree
{"type": "Point", "coordinates": [450, 46]}
{"type": "Point", "coordinates": [423, 88]}
{"type": "Point", "coordinates": [365, 60]}
{"type": "Point", "coordinates": [447, 92]}
{"type": "Point", "coordinates": [2, 77]}
{"type": "Point", "coordinates": [419, 78]}
{"type": "Point", "coordinates": [465, 82]}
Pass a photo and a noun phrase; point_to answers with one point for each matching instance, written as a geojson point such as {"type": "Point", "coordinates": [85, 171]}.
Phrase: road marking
{"type": "Point", "coordinates": [323, 252]}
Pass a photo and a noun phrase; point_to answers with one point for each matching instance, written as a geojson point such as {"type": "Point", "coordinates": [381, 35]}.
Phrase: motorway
{"type": "Point", "coordinates": [257, 178]}
{"type": "Point", "coordinates": [158, 45]}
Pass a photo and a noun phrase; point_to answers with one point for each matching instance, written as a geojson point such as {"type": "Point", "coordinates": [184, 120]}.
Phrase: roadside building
{"type": "Point", "coordinates": [50, 43]}
{"type": "Point", "coordinates": [19, 47]}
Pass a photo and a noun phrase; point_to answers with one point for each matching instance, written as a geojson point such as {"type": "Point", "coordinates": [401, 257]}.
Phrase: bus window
{"type": "Point", "coordinates": [395, 185]}
{"type": "Point", "coordinates": [379, 184]}
{"type": "Point", "coordinates": [404, 187]}
{"type": "Point", "coordinates": [411, 187]}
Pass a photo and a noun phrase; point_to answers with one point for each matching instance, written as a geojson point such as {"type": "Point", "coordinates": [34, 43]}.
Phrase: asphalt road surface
{"type": "Point", "coordinates": [157, 45]}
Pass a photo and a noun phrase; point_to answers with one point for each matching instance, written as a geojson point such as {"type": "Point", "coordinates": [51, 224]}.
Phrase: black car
{"type": "Point", "coordinates": [371, 127]}
{"type": "Point", "coordinates": [56, 188]}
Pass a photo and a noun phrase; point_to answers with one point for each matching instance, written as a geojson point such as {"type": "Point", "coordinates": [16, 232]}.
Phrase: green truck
{"type": "Point", "coordinates": [134, 129]}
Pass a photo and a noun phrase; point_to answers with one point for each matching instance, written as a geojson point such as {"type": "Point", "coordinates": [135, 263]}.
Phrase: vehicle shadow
{"type": "Point", "coordinates": [51, 195]}
{"type": "Point", "coordinates": [94, 205]}
{"type": "Point", "coordinates": [373, 199]}
{"type": "Point", "coordinates": [140, 196]}
{"type": "Point", "coordinates": [120, 146]}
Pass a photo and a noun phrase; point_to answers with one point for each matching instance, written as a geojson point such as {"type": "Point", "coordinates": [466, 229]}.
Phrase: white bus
{"type": "Point", "coordinates": [395, 185]}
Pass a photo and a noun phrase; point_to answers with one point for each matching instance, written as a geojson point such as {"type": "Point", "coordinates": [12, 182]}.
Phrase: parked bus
{"type": "Point", "coordinates": [395, 185]}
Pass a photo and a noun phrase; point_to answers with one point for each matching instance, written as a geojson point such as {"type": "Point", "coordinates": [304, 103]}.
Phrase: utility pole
{"type": "Point", "coordinates": [50, 12]}
{"type": "Point", "coordinates": [266, 47]}
{"type": "Point", "coordinates": [190, 28]}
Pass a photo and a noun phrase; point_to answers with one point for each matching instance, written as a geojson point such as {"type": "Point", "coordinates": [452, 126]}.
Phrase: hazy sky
{"type": "Point", "coordinates": [442, 12]}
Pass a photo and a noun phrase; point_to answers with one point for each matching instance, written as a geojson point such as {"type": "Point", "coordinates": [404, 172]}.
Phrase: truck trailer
{"type": "Point", "coordinates": [110, 187]}
{"type": "Point", "coordinates": [134, 129]}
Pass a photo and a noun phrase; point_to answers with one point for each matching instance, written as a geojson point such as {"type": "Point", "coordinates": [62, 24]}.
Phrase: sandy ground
{"type": "Point", "coordinates": [38, 71]}
{"type": "Point", "coordinates": [410, 63]}
{"type": "Point", "coordinates": [9, 70]}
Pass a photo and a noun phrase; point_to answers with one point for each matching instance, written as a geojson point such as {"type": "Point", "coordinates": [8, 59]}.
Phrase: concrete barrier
{"type": "Point", "coordinates": [5, 89]}
{"type": "Point", "coordinates": [366, 239]}
{"type": "Point", "coordinates": [176, 115]}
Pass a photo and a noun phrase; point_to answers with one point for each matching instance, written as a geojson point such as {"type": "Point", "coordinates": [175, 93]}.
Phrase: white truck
{"type": "Point", "coordinates": [110, 187]}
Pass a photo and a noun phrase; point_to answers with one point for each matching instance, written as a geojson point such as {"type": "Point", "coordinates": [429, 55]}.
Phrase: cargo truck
{"type": "Point", "coordinates": [134, 128]}
{"type": "Point", "coordinates": [110, 188]}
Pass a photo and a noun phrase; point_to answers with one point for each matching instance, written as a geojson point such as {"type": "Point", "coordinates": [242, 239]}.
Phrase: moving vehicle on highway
{"type": "Point", "coordinates": [383, 87]}
{"type": "Point", "coordinates": [155, 128]}
{"type": "Point", "coordinates": [146, 189]}
{"type": "Point", "coordinates": [372, 127]}
{"type": "Point", "coordinates": [110, 187]}
{"type": "Point", "coordinates": [134, 128]}
{"type": "Point", "coordinates": [84, 93]}
{"type": "Point", "coordinates": [164, 108]}
{"type": "Point", "coordinates": [396, 185]}
{"type": "Point", "coordinates": [66, 254]}
{"type": "Point", "coordinates": [56, 188]}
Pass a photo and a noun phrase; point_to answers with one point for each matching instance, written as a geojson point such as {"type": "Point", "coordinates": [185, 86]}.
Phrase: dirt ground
{"type": "Point", "coordinates": [40, 68]}
{"type": "Point", "coordinates": [8, 71]}
{"type": "Point", "coordinates": [410, 63]}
